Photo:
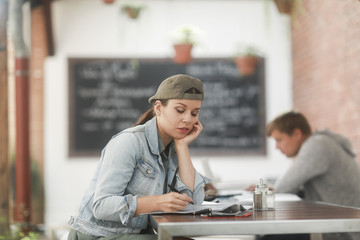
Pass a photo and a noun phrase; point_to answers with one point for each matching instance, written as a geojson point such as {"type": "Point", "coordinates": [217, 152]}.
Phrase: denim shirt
{"type": "Point", "coordinates": [130, 166]}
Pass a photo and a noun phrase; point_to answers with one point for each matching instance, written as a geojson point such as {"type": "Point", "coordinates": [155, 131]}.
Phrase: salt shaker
{"type": "Point", "coordinates": [270, 200]}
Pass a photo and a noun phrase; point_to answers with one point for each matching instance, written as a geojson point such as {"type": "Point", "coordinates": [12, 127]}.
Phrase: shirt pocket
{"type": "Point", "coordinates": [143, 181]}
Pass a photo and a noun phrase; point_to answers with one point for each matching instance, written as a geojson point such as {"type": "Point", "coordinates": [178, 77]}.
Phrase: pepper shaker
{"type": "Point", "coordinates": [257, 200]}
{"type": "Point", "coordinates": [263, 188]}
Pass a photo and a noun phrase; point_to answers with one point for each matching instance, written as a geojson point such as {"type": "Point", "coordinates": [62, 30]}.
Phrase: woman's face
{"type": "Point", "coordinates": [177, 118]}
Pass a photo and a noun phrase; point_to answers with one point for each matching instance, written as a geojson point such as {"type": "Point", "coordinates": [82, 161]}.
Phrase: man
{"type": "Point", "coordinates": [324, 164]}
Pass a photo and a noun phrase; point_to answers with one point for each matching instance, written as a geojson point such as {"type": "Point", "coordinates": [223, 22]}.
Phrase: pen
{"type": "Point", "coordinates": [175, 190]}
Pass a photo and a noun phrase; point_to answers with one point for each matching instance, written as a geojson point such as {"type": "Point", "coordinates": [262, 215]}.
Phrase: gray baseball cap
{"type": "Point", "coordinates": [179, 87]}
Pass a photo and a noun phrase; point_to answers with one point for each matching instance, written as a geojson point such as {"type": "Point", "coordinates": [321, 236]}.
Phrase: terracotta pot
{"type": "Point", "coordinates": [246, 65]}
{"type": "Point", "coordinates": [132, 13]}
{"type": "Point", "coordinates": [183, 53]}
{"type": "Point", "coordinates": [284, 6]}
{"type": "Point", "coordinates": [108, 1]}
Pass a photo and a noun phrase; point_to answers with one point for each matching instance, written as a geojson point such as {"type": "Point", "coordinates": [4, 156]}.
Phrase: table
{"type": "Point", "coordinates": [289, 217]}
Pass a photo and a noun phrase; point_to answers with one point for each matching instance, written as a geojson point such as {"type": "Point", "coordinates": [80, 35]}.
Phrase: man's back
{"type": "Point", "coordinates": [327, 169]}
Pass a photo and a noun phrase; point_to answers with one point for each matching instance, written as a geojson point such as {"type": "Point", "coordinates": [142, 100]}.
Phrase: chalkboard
{"type": "Point", "coordinates": [108, 95]}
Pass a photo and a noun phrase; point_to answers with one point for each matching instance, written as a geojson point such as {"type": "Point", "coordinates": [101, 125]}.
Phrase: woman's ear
{"type": "Point", "coordinates": [157, 107]}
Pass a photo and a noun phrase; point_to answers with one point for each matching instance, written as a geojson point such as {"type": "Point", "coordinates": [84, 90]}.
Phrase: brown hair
{"type": "Point", "coordinates": [149, 114]}
{"type": "Point", "coordinates": [288, 122]}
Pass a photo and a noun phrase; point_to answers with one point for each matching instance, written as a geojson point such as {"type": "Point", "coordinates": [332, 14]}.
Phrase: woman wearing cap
{"type": "Point", "coordinates": [139, 163]}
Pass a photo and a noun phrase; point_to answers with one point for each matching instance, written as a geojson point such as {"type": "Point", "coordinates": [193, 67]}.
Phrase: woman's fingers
{"type": "Point", "coordinates": [175, 202]}
{"type": "Point", "coordinates": [183, 199]}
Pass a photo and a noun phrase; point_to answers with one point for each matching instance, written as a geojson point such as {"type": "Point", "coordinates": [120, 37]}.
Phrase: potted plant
{"type": "Point", "coordinates": [108, 1]}
{"type": "Point", "coordinates": [184, 38]}
{"type": "Point", "coordinates": [132, 11]}
{"type": "Point", "coordinates": [284, 6]}
{"type": "Point", "coordinates": [291, 7]}
{"type": "Point", "coordinates": [246, 59]}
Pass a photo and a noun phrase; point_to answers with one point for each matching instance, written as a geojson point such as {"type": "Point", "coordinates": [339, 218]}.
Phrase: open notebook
{"type": "Point", "coordinates": [209, 208]}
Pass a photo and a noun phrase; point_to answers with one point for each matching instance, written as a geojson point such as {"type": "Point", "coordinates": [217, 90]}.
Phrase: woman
{"type": "Point", "coordinates": [139, 163]}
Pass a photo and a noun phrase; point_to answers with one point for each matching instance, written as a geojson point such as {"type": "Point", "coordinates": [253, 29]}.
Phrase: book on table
{"type": "Point", "coordinates": [212, 209]}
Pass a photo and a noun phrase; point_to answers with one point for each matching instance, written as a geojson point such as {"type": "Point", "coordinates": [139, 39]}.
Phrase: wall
{"type": "Point", "coordinates": [89, 28]}
{"type": "Point", "coordinates": [326, 57]}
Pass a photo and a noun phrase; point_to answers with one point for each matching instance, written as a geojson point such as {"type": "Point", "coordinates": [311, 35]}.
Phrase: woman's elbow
{"type": "Point", "coordinates": [98, 212]}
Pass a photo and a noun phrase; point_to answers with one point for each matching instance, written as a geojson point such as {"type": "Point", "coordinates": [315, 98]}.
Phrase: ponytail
{"type": "Point", "coordinates": [149, 114]}
{"type": "Point", "coordinates": [146, 116]}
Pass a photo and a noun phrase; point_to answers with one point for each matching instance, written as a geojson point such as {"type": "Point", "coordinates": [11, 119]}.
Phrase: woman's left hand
{"type": "Point", "coordinates": [193, 134]}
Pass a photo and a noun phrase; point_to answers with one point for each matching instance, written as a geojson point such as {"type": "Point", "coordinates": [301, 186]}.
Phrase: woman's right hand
{"type": "Point", "coordinates": [169, 202]}
{"type": "Point", "coordinates": [172, 202]}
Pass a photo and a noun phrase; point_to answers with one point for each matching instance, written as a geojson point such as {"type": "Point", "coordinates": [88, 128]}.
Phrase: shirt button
{"type": "Point", "coordinates": [148, 170]}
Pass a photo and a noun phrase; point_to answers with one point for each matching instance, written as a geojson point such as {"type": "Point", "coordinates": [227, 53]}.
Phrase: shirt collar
{"type": "Point", "coordinates": [160, 143]}
{"type": "Point", "coordinates": [154, 140]}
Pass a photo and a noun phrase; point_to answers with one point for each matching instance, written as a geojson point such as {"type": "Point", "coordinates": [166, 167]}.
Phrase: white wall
{"type": "Point", "coordinates": [90, 28]}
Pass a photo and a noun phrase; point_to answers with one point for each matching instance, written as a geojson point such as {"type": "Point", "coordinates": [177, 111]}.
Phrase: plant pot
{"type": "Point", "coordinates": [246, 65]}
{"type": "Point", "coordinates": [183, 53]}
{"type": "Point", "coordinates": [132, 12]}
{"type": "Point", "coordinates": [108, 1]}
{"type": "Point", "coordinates": [284, 6]}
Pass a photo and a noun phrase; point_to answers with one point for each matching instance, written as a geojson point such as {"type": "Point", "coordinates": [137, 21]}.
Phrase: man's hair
{"type": "Point", "coordinates": [288, 122]}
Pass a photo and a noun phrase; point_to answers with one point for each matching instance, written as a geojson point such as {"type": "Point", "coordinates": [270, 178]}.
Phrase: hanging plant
{"type": "Point", "coordinates": [132, 11]}
{"type": "Point", "coordinates": [108, 1]}
{"type": "Point", "coordinates": [284, 6]}
{"type": "Point", "coordinates": [246, 59]}
{"type": "Point", "coordinates": [184, 38]}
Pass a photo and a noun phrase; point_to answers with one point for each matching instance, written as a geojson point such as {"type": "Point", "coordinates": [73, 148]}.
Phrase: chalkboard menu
{"type": "Point", "coordinates": [108, 95]}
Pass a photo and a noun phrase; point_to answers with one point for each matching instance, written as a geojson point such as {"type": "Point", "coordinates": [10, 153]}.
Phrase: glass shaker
{"type": "Point", "coordinates": [270, 200]}
{"type": "Point", "coordinates": [263, 188]}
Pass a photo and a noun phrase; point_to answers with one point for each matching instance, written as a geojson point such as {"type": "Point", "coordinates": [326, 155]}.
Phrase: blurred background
{"type": "Point", "coordinates": [309, 55]}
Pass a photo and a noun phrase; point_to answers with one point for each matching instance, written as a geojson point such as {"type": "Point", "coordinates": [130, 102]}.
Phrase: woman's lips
{"type": "Point", "coordinates": [184, 130]}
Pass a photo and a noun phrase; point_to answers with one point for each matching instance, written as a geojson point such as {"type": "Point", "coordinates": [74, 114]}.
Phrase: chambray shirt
{"type": "Point", "coordinates": [130, 166]}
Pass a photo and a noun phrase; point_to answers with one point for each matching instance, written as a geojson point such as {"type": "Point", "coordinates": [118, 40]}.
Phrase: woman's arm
{"type": "Point", "coordinates": [186, 168]}
{"type": "Point", "coordinates": [117, 167]}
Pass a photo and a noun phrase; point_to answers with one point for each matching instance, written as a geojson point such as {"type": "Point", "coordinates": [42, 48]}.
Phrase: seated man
{"type": "Point", "coordinates": [325, 167]}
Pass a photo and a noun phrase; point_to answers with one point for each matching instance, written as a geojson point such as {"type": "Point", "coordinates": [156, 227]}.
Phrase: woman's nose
{"type": "Point", "coordinates": [187, 118]}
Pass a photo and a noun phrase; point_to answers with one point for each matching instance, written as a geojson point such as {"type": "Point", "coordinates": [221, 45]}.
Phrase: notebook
{"type": "Point", "coordinates": [209, 208]}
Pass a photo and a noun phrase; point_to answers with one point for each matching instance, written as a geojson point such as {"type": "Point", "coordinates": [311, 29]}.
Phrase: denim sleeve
{"type": "Point", "coordinates": [118, 164]}
{"type": "Point", "coordinates": [198, 194]}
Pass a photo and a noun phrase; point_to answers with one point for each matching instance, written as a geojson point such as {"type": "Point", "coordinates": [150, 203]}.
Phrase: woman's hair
{"type": "Point", "coordinates": [288, 122]}
{"type": "Point", "coordinates": [149, 114]}
{"type": "Point", "coordinates": [175, 87]}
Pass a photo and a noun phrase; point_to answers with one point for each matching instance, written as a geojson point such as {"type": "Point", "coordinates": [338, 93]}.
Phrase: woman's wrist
{"type": "Point", "coordinates": [181, 144]}
{"type": "Point", "coordinates": [147, 204]}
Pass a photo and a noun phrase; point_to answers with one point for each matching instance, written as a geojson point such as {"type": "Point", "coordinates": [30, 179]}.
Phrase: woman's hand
{"type": "Point", "coordinates": [169, 202]}
{"type": "Point", "coordinates": [192, 135]}
{"type": "Point", "coordinates": [172, 202]}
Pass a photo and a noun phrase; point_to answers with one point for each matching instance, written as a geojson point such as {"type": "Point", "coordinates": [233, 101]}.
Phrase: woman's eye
{"type": "Point", "coordinates": [194, 114]}
{"type": "Point", "coordinates": [180, 110]}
